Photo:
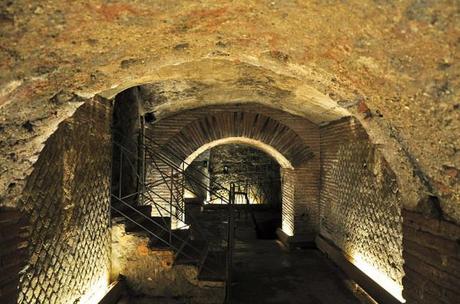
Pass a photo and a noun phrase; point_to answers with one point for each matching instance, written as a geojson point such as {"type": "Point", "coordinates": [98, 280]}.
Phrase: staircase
{"type": "Point", "coordinates": [166, 219]}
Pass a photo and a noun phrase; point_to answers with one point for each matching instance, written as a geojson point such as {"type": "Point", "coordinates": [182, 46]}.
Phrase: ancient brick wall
{"type": "Point", "coordinates": [67, 200]}
{"type": "Point", "coordinates": [306, 197]}
{"type": "Point", "coordinates": [13, 252]}
{"type": "Point", "coordinates": [360, 206]}
{"type": "Point", "coordinates": [431, 252]}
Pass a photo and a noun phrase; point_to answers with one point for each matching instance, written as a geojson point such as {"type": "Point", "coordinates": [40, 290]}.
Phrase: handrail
{"type": "Point", "coordinates": [160, 155]}
{"type": "Point", "coordinates": [178, 207]}
{"type": "Point", "coordinates": [191, 176]}
{"type": "Point", "coordinates": [154, 193]}
{"type": "Point", "coordinates": [197, 181]}
{"type": "Point", "coordinates": [156, 206]}
{"type": "Point", "coordinates": [147, 192]}
{"type": "Point", "coordinates": [177, 157]}
{"type": "Point", "coordinates": [173, 181]}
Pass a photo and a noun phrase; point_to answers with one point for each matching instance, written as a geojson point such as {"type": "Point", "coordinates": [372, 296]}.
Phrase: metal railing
{"type": "Point", "coordinates": [168, 227]}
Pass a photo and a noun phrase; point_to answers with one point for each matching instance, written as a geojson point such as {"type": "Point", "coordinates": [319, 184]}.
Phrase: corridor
{"type": "Point", "coordinates": [135, 134]}
{"type": "Point", "coordinates": [266, 272]}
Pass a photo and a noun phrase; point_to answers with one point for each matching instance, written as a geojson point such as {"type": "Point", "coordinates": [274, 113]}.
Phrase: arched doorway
{"type": "Point", "coordinates": [291, 140]}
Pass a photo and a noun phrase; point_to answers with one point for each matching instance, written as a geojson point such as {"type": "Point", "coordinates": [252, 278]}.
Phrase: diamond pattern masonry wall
{"type": "Point", "coordinates": [360, 205]}
{"type": "Point", "coordinates": [67, 201]}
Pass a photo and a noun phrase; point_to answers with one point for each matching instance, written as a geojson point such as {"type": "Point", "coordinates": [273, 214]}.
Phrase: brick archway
{"type": "Point", "coordinates": [291, 140]}
{"type": "Point", "coordinates": [255, 129]}
{"type": "Point", "coordinates": [275, 154]}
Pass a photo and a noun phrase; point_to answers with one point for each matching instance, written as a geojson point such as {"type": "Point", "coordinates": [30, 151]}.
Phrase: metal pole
{"type": "Point", "coordinates": [142, 161]}
{"type": "Point", "coordinates": [171, 204]}
{"type": "Point", "coordinates": [120, 174]}
{"type": "Point", "coordinates": [182, 192]}
{"type": "Point", "coordinates": [230, 240]}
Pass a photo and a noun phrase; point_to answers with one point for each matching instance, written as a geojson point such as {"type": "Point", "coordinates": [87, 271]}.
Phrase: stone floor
{"type": "Point", "coordinates": [265, 272]}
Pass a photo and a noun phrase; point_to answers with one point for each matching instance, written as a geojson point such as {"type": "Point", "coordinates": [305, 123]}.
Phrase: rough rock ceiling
{"type": "Point", "coordinates": [399, 58]}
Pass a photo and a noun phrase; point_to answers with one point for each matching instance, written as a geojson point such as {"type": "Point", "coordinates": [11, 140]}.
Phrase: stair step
{"type": "Point", "coordinates": [214, 267]}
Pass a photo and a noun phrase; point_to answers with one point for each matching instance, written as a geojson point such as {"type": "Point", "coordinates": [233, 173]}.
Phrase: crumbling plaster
{"type": "Point", "coordinates": [397, 60]}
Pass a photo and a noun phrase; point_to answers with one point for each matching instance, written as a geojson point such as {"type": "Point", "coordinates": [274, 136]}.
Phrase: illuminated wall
{"type": "Point", "coordinates": [67, 199]}
{"type": "Point", "coordinates": [288, 197]}
{"type": "Point", "coordinates": [360, 205]}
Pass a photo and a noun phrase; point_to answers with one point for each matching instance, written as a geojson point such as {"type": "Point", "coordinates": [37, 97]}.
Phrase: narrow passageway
{"type": "Point", "coordinates": [266, 272]}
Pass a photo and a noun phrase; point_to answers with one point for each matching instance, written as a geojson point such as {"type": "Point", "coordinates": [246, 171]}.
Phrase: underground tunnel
{"type": "Point", "coordinates": [229, 152]}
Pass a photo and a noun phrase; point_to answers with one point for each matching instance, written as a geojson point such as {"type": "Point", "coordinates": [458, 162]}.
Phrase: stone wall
{"type": "Point", "coordinates": [251, 170]}
{"type": "Point", "coordinates": [126, 126]}
{"type": "Point", "coordinates": [431, 259]}
{"type": "Point", "coordinates": [67, 201]}
{"type": "Point", "coordinates": [360, 205]}
{"type": "Point", "coordinates": [13, 252]}
{"type": "Point", "coordinates": [151, 272]}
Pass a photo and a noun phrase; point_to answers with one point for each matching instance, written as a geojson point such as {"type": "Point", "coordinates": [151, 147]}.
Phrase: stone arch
{"type": "Point", "coordinates": [275, 154]}
{"type": "Point", "coordinates": [256, 129]}
{"type": "Point", "coordinates": [218, 81]}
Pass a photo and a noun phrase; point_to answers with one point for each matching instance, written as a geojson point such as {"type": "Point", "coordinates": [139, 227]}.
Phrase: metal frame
{"type": "Point", "coordinates": [151, 156]}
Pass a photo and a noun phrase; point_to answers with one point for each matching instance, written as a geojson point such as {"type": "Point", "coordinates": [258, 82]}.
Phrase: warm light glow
{"type": "Point", "coordinates": [97, 291]}
{"type": "Point", "coordinates": [287, 226]}
{"type": "Point", "coordinates": [379, 277]}
{"type": "Point", "coordinates": [178, 222]}
{"type": "Point", "coordinates": [189, 194]}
